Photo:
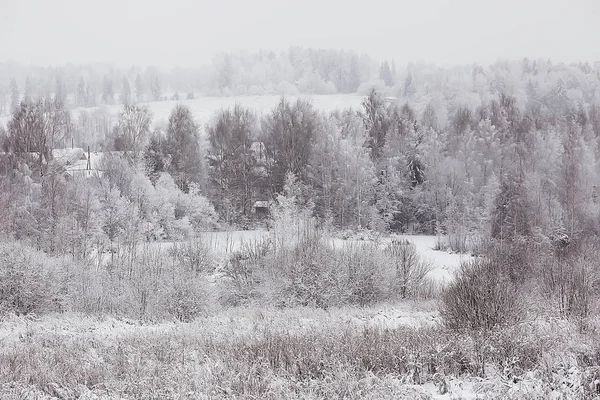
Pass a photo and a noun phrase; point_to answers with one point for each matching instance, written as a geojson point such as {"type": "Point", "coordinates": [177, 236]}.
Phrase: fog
{"type": "Point", "coordinates": [188, 32]}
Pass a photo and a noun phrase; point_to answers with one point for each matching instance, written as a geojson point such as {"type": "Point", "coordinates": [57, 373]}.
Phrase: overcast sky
{"type": "Point", "coordinates": [188, 32]}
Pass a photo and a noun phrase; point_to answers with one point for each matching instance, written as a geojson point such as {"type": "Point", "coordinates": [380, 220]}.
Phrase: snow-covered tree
{"type": "Point", "coordinates": [134, 126]}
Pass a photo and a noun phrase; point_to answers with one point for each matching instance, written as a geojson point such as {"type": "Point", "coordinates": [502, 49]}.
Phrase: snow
{"type": "Point", "coordinates": [205, 108]}
{"type": "Point", "coordinates": [444, 263]}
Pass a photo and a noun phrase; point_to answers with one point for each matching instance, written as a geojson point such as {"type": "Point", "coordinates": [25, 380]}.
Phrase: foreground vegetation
{"type": "Point", "coordinates": [293, 353]}
{"type": "Point", "coordinates": [290, 316]}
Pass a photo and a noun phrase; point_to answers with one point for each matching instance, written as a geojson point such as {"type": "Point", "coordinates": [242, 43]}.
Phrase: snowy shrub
{"type": "Point", "coordinates": [241, 90]}
{"type": "Point", "coordinates": [242, 271]}
{"type": "Point", "coordinates": [572, 281]}
{"type": "Point", "coordinates": [30, 282]}
{"type": "Point", "coordinates": [409, 270]}
{"type": "Point", "coordinates": [361, 264]}
{"type": "Point", "coordinates": [193, 256]}
{"type": "Point", "coordinates": [308, 276]}
{"type": "Point", "coordinates": [328, 88]}
{"type": "Point", "coordinates": [187, 298]}
{"type": "Point", "coordinates": [292, 220]}
{"type": "Point", "coordinates": [480, 298]}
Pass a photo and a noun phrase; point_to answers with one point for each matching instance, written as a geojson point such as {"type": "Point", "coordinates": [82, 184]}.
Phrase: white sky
{"type": "Point", "coordinates": [188, 32]}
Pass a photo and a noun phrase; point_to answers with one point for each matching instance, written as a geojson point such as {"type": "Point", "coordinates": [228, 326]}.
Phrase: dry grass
{"type": "Point", "coordinates": [294, 353]}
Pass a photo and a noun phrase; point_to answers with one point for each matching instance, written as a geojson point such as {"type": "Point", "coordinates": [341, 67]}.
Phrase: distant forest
{"type": "Point", "coordinates": [299, 70]}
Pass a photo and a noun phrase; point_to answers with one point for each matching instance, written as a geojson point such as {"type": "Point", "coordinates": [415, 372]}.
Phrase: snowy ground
{"type": "Point", "coordinates": [42, 354]}
{"type": "Point", "coordinates": [233, 324]}
{"type": "Point", "coordinates": [444, 263]}
{"type": "Point", "coordinates": [205, 108]}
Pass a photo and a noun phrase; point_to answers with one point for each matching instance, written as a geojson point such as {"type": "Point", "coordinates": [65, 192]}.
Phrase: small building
{"type": "Point", "coordinates": [261, 208]}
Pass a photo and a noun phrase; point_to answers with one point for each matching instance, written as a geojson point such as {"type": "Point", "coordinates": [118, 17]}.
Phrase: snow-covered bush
{"type": "Point", "coordinates": [362, 267]}
{"type": "Point", "coordinates": [292, 220]}
{"type": "Point", "coordinates": [193, 256]}
{"type": "Point", "coordinates": [187, 298]}
{"type": "Point", "coordinates": [480, 298]}
{"type": "Point", "coordinates": [409, 269]}
{"type": "Point", "coordinates": [30, 282]}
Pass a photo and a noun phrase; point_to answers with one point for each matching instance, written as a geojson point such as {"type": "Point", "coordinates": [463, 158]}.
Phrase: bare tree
{"type": "Point", "coordinates": [37, 128]}
{"type": "Point", "coordinates": [134, 124]}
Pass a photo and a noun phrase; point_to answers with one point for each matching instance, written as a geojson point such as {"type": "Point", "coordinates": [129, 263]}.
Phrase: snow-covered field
{"type": "Point", "coordinates": [444, 263]}
{"type": "Point", "coordinates": [241, 352]}
{"type": "Point", "coordinates": [204, 108]}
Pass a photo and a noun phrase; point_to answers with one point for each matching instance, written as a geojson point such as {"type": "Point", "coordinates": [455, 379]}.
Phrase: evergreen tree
{"type": "Point", "coordinates": [108, 94]}
{"type": "Point", "coordinates": [82, 94]}
{"type": "Point", "coordinates": [376, 121]}
{"type": "Point", "coordinates": [154, 157]}
{"type": "Point", "coordinates": [60, 93]}
{"type": "Point", "coordinates": [27, 93]}
{"type": "Point", "coordinates": [14, 95]}
{"type": "Point", "coordinates": [126, 95]}
{"type": "Point", "coordinates": [385, 73]}
{"type": "Point", "coordinates": [139, 88]}
{"type": "Point", "coordinates": [156, 89]}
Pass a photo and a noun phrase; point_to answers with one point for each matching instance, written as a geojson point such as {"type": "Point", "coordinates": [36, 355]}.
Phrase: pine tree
{"type": "Point", "coordinates": [409, 89]}
{"type": "Point", "coordinates": [139, 88]}
{"type": "Point", "coordinates": [60, 93]}
{"type": "Point", "coordinates": [27, 93]}
{"type": "Point", "coordinates": [353, 76]}
{"type": "Point", "coordinates": [82, 95]}
{"type": "Point", "coordinates": [14, 95]}
{"type": "Point", "coordinates": [156, 89]}
{"type": "Point", "coordinates": [385, 73]}
{"type": "Point", "coordinates": [108, 94]}
{"type": "Point", "coordinates": [126, 95]}
{"type": "Point", "coordinates": [226, 73]}
{"type": "Point", "coordinates": [154, 158]}
{"type": "Point", "coordinates": [376, 121]}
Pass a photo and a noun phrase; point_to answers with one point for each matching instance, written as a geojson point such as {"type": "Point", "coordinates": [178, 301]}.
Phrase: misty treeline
{"type": "Point", "coordinates": [298, 70]}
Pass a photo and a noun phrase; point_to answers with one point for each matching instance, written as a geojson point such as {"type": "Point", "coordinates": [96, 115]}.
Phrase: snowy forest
{"type": "Point", "coordinates": [250, 224]}
{"type": "Point", "coordinates": [299, 70]}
